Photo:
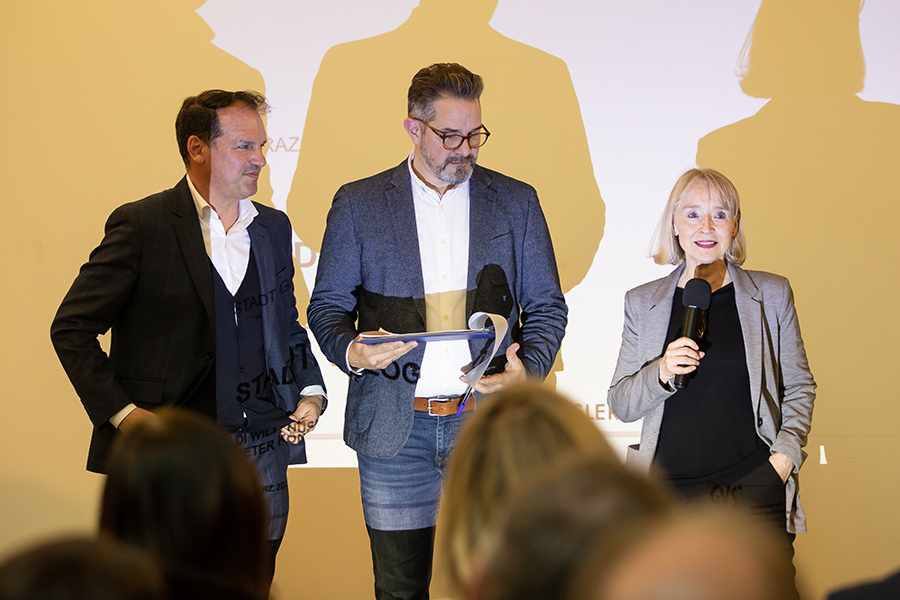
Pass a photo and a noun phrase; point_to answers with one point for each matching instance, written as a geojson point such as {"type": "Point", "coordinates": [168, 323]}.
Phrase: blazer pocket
{"type": "Point", "coordinates": [362, 398]}
{"type": "Point", "coordinates": [631, 454]}
{"type": "Point", "coordinates": [143, 391]}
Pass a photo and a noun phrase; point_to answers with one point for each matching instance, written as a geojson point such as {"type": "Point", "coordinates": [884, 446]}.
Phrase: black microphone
{"type": "Point", "coordinates": [696, 298]}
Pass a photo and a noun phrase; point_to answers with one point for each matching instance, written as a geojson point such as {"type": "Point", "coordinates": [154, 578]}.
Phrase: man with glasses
{"type": "Point", "coordinates": [420, 247]}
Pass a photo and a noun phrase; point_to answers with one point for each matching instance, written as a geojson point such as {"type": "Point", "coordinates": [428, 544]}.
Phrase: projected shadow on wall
{"type": "Point", "coordinates": [108, 78]}
{"type": "Point", "coordinates": [818, 170]}
{"type": "Point", "coordinates": [130, 65]}
{"type": "Point", "coordinates": [354, 124]}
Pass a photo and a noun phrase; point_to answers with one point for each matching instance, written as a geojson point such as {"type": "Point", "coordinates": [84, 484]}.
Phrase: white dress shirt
{"type": "Point", "coordinates": [229, 250]}
{"type": "Point", "coordinates": [442, 224]}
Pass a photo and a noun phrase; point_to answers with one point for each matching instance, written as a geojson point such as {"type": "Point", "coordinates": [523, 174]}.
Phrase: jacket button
{"type": "Point", "coordinates": [759, 421]}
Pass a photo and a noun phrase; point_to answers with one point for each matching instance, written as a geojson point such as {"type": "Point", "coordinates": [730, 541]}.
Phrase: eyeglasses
{"type": "Point", "coordinates": [453, 140]}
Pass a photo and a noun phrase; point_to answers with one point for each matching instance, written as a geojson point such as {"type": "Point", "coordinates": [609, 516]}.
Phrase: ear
{"type": "Point", "coordinates": [413, 130]}
{"type": "Point", "coordinates": [198, 150]}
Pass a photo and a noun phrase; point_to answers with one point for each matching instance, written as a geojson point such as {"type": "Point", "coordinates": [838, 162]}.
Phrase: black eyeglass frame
{"type": "Point", "coordinates": [482, 130]}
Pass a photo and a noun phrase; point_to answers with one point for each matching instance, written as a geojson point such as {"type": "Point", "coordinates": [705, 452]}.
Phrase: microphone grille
{"type": "Point", "coordinates": [697, 293]}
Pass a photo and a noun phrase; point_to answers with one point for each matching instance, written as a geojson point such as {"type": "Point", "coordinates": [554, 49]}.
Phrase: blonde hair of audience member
{"type": "Point", "coordinates": [509, 437]}
{"type": "Point", "coordinates": [664, 247]}
{"type": "Point", "coordinates": [555, 520]}
{"type": "Point", "coordinates": [82, 568]}
{"type": "Point", "coordinates": [181, 487]}
{"type": "Point", "coordinates": [706, 554]}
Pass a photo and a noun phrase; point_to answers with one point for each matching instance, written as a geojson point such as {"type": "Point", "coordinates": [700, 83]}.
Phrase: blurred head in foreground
{"type": "Point", "coordinates": [180, 486]}
{"type": "Point", "coordinates": [511, 436]}
{"type": "Point", "coordinates": [697, 555]}
{"type": "Point", "coordinates": [556, 520]}
{"type": "Point", "coordinates": [82, 568]}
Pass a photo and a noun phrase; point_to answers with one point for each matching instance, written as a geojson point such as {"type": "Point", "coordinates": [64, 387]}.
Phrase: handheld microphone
{"type": "Point", "coordinates": [696, 298]}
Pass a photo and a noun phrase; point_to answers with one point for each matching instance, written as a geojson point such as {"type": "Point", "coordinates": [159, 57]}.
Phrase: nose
{"type": "Point", "coordinates": [466, 149]}
{"type": "Point", "coordinates": [461, 149]}
{"type": "Point", "coordinates": [707, 224]}
{"type": "Point", "coordinates": [258, 159]}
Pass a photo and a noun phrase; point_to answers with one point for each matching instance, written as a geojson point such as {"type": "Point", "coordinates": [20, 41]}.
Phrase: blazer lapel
{"type": "Point", "coordinates": [400, 211]}
{"type": "Point", "coordinates": [261, 245]}
{"type": "Point", "coordinates": [659, 315]}
{"type": "Point", "coordinates": [748, 298]}
{"type": "Point", "coordinates": [190, 238]}
{"type": "Point", "coordinates": [482, 226]}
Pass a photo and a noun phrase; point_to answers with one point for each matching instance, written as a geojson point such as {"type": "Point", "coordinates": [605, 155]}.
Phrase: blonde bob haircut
{"type": "Point", "coordinates": [664, 247]}
{"type": "Point", "coordinates": [511, 436]}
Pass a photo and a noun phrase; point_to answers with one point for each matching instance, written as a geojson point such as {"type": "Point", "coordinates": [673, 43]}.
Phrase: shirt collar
{"type": "Point", "coordinates": [246, 211]}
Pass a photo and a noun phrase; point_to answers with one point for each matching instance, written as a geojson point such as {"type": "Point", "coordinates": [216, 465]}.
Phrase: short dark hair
{"type": "Point", "coordinates": [199, 114]}
{"type": "Point", "coordinates": [441, 80]}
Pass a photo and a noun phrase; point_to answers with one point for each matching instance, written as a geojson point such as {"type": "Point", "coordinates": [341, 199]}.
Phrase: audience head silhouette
{"type": "Point", "coordinates": [703, 554]}
{"type": "Point", "coordinates": [510, 437]}
{"type": "Point", "coordinates": [556, 520]}
{"type": "Point", "coordinates": [82, 568]}
{"type": "Point", "coordinates": [180, 486]}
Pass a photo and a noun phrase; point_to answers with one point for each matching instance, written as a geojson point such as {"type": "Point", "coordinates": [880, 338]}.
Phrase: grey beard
{"type": "Point", "coordinates": [458, 175]}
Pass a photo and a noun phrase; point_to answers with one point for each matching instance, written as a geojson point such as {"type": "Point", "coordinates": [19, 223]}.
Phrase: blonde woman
{"type": "Point", "coordinates": [735, 433]}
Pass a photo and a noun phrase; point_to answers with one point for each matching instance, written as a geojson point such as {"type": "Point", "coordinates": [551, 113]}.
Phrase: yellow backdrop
{"type": "Point", "coordinates": [584, 99]}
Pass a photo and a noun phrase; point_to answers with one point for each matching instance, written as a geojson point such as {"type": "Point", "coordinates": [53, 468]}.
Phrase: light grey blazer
{"type": "Point", "coordinates": [782, 388]}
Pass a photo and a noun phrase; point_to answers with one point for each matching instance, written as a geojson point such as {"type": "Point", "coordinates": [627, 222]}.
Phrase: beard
{"type": "Point", "coordinates": [455, 175]}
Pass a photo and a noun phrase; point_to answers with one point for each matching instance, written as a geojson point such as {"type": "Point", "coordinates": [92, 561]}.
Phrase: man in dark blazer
{"type": "Point", "coordinates": [423, 246]}
{"type": "Point", "coordinates": [196, 283]}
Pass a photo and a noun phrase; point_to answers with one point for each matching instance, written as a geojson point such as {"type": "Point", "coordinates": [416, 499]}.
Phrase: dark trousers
{"type": "Point", "coordinates": [761, 492]}
{"type": "Point", "coordinates": [269, 552]}
{"type": "Point", "coordinates": [402, 563]}
{"type": "Point", "coordinates": [752, 484]}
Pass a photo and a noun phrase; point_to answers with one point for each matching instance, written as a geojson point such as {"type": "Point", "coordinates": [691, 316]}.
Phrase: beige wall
{"type": "Point", "coordinates": [90, 90]}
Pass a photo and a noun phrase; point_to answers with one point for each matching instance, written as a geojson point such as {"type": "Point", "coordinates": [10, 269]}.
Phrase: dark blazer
{"type": "Point", "coordinates": [884, 589]}
{"type": "Point", "coordinates": [370, 276]}
{"type": "Point", "coordinates": [781, 386]}
{"type": "Point", "coordinates": [150, 281]}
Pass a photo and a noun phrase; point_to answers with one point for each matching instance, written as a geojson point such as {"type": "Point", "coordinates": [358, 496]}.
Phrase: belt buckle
{"type": "Point", "coordinates": [431, 402]}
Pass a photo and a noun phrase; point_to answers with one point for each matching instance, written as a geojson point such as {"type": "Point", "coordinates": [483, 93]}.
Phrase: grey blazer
{"type": "Point", "coordinates": [370, 276]}
{"type": "Point", "coordinates": [781, 386]}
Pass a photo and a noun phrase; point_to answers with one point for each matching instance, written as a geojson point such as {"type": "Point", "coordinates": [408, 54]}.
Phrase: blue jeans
{"type": "Point", "coordinates": [400, 498]}
{"type": "Point", "coordinates": [404, 492]}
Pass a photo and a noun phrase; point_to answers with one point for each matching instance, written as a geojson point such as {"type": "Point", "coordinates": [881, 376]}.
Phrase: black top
{"type": "Point", "coordinates": [707, 428]}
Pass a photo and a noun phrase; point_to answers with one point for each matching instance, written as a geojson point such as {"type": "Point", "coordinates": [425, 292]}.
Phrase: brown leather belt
{"type": "Point", "coordinates": [442, 407]}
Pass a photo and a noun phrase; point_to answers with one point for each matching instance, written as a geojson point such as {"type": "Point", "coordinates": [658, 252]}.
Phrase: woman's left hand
{"type": "Point", "coordinates": [783, 465]}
